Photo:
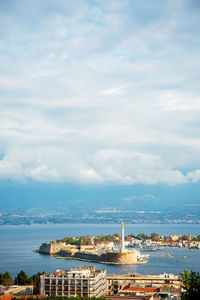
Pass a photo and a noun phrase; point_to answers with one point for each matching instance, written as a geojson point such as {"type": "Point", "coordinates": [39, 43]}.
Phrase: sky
{"type": "Point", "coordinates": [100, 92]}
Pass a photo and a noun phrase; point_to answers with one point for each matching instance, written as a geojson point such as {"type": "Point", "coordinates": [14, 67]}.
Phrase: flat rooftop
{"type": "Point", "coordinates": [78, 272]}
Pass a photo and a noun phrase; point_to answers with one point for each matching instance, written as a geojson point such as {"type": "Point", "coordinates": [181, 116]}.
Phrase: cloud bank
{"type": "Point", "coordinates": [100, 91]}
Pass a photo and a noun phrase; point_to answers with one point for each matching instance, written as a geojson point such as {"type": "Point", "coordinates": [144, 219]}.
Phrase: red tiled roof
{"type": "Point", "coordinates": [141, 289]}
{"type": "Point", "coordinates": [169, 288]}
{"type": "Point", "coordinates": [9, 297]}
{"type": "Point", "coordinates": [128, 288]}
{"type": "Point", "coordinates": [129, 297]}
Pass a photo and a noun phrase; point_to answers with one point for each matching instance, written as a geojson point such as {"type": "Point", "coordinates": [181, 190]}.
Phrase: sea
{"type": "Point", "coordinates": [17, 245]}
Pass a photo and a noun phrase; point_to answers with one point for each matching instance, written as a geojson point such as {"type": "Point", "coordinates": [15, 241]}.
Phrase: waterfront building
{"type": "Point", "coordinates": [126, 283]}
{"type": "Point", "coordinates": [53, 248]}
{"type": "Point", "coordinates": [131, 291]}
{"type": "Point", "coordinates": [16, 290]}
{"type": "Point", "coordinates": [82, 282]}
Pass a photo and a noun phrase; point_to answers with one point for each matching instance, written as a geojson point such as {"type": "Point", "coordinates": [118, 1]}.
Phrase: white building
{"type": "Point", "coordinates": [82, 282]}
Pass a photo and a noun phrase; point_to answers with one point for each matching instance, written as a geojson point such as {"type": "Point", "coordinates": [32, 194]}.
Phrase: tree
{"type": "Point", "coordinates": [191, 284]}
{"type": "Point", "coordinates": [7, 279]}
{"type": "Point", "coordinates": [35, 281]}
{"type": "Point", "coordinates": [22, 279]}
{"type": "Point", "coordinates": [116, 235]}
{"type": "Point", "coordinates": [132, 235]}
{"type": "Point", "coordinates": [155, 237]}
{"type": "Point", "coordinates": [1, 278]}
{"type": "Point", "coordinates": [142, 236]}
{"type": "Point", "coordinates": [184, 237]}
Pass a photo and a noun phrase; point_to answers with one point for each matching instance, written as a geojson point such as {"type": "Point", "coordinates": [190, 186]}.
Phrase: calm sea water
{"type": "Point", "coordinates": [18, 242]}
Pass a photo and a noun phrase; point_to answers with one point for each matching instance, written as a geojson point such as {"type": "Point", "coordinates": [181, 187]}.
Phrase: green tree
{"type": "Point", "coordinates": [1, 278]}
{"type": "Point", "coordinates": [132, 235]}
{"type": "Point", "coordinates": [35, 281]}
{"type": "Point", "coordinates": [22, 279]}
{"type": "Point", "coordinates": [116, 235]}
{"type": "Point", "coordinates": [191, 284]}
{"type": "Point", "coordinates": [155, 237]}
{"type": "Point", "coordinates": [184, 237]}
{"type": "Point", "coordinates": [142, 236]}
{"type": "Point", "coordinates": [7, 279]}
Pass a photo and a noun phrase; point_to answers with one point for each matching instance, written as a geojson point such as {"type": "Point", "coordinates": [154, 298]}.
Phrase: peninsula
{"type": "Point", "coordinates": [92, 249]}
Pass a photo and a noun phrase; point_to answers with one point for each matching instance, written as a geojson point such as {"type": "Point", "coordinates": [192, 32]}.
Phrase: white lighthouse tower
{"type": "Point", "coordinates": [123, 250]}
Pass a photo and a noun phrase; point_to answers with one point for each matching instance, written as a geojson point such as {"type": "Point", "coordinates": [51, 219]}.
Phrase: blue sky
{"type": "Point", "coordinates": [100, 92]}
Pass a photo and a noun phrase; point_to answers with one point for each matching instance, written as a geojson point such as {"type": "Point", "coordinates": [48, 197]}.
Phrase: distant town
{"type": "Point", "coordinates": [100, 217]}
{"type": "Point", "coordinates": [90, 248]}
{"type": "Point", "coordinates": [113, 249]}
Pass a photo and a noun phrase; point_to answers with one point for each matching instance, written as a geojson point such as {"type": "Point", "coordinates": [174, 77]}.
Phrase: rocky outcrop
{"type": "Point", "coordinates": [52, 248]}
{"type": "Point", "coordinates": [45, 248]}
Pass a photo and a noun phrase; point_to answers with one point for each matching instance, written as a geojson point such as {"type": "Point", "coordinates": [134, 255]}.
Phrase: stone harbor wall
{"type": "Point", "coordinates": [121, 258]}
{"type": "Point", "coordinates": [63, 250]}
{"type": "Point", "coordinates": [54, 248]}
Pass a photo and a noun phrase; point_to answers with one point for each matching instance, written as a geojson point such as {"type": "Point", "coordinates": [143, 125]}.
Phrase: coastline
{"type": "Point", "coordinates": [102, 223]}
{"type": "Point", "coordinates": [100, 262]}
{"type": "Point", "coordinates": [18, 242]}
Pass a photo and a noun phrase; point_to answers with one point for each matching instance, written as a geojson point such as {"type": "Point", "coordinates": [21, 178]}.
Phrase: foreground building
{"type": "Point", "coordinates": [82, 282]}
{"type": "Point", "coordinates": [16, 290]}
{"type": "Point", "coordinates": [129, 285]}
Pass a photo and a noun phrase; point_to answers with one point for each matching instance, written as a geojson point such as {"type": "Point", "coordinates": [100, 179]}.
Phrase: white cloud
{"type": "Point", "coordinates": [99, 93]}
{"type": "Point", "coordinates": [44, 173]}
{"type": "Point", "coordinates": [194, 176]}
{"type": "Point", "coordinates": [106, 166]}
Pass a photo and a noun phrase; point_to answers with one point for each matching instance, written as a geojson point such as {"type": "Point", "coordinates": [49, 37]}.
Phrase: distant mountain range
{"type": "Point", "coordinates": [135, 203]}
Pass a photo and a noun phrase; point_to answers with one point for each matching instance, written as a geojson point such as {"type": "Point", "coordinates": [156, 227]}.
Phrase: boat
{"type": "Point", "coordinates": [180, 245]}
{"type": "Point", "coordinates": [145, 246]}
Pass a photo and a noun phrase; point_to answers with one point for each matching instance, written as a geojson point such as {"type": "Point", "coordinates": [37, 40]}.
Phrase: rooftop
{"type": "Point", "coordinates": [78, 272]}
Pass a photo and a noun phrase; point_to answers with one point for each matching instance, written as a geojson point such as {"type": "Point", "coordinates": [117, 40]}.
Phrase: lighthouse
{"type": "Point", "coordinates": [123, 250]}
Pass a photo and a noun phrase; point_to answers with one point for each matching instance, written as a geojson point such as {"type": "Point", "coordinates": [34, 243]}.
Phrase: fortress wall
{"type": "Point", "coordinates": [87, 256]}
{"type": "Point", "coordinates": [65, 253]}
{"type": "Point", "coordinates": [121, 258]}
{"type": "Point", "coordinates": [45, 248]}
{"type": "Point", "coordinates": [52, 248]}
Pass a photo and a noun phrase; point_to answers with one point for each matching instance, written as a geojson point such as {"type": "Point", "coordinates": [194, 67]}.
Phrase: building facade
{"type": "Point", "coordinates": [82, 282]}
{"type": "Point", "coordinates": [119, 284]}
{"type": "Point", "coordinates": [16, 290]}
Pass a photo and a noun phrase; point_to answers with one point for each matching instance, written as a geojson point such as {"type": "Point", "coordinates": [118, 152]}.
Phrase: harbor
{"type": "Point", "coordinates": [18, 242]}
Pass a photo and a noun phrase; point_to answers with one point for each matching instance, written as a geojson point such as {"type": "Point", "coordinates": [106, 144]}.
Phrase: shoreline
{"type": "Point", "coordinates": [99, 224]}
{"type": "Point", "coordinates": [98, 261]}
